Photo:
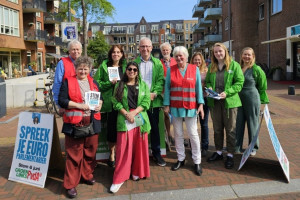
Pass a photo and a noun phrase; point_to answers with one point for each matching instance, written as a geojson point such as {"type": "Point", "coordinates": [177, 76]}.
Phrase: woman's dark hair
{"type": "Point", "coordinates": [109, 55]}
{"type": "Point", "coordinates": [124, 80]}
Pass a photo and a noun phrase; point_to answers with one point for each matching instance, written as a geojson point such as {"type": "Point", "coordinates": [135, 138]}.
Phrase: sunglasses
{"type": "Point", "coordinates": [134, 69]}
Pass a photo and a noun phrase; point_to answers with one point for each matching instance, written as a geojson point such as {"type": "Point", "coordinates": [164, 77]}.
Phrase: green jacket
{"type": "Point", "coordinates": [106, 87]}
{"type": "Point", "coordinates": [157, 85]}
{"type": "Point", "coordinates": [261, 83]}
{"type": "Point", "coordinates": [143, 101]}
{"type": "Point", "coordinates": [233, 79]}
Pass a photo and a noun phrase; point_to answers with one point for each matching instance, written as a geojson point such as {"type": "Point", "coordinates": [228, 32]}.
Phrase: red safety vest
{"type": "Point", "coordinates": [183, 89]}
{"type": "Point", "coordinates": [172, 62]}
{"type": "Point", "coordinates": [69, 68]}
{"type": "Point", "coordinates": [74, 116]}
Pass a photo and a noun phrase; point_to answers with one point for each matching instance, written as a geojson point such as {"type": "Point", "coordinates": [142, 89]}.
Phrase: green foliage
{"type": "Point", "coordinates": [98, 48]}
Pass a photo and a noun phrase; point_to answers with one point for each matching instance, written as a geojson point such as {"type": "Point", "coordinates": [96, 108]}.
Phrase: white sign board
{"type": "Point", "coordinates": [32, 149]}
{"type": "Point", "coordinates": [69, 31]}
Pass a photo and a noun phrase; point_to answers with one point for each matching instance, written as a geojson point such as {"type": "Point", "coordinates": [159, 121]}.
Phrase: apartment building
{"type": "Point", "coordinates": [270, 27]}
{"type": "Point", "coordinates": [129, 34]}
{"type": "Point", "coordinates": [29, 34]}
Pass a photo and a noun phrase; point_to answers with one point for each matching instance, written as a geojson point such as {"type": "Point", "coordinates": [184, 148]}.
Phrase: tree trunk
{"type": "Point", "coordinates": [84, 28]}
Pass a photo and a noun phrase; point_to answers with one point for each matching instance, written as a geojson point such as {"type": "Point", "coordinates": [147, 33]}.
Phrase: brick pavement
{"type": "Point", "coordinates": [261, 168]}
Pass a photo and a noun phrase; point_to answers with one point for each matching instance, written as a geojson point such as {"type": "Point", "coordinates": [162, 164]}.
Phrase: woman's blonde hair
{"type": "Point", "coordinates": [253, 54]}
{"type": "Point", "coordinates": [202, 67]}
{"type": "Point", "coordinates": [214, 61]}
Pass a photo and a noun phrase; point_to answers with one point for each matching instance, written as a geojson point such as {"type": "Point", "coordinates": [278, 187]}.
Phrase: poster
{"type": "Point", "coordinates": [69, 31]}
{"type": "Point", "coordinates": [32, 149]}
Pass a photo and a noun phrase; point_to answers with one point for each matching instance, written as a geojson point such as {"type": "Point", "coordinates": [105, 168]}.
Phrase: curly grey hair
{"type": "Point", "coordinates": [84, 60]}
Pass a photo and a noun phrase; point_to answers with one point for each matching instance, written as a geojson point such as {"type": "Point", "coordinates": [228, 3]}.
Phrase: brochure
{"type": "Point", "coordinates": [113, 73]}
{"type": "Point", "coordinates": [138, 121]}
{"type": "Point", "coordinates": [92, 98]}
{"type": "Point", "coordinates": [212, 94]}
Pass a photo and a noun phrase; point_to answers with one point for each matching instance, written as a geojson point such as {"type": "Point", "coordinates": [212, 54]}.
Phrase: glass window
{"type": "Point", "coordinates": [14, 1]}
{"type": "Point", "coordinates": [107, 30]}
{"type": "Point", "coordinates": [261, 11]}
{"type": "Point", "coordinates": [187, 37]}
{"type": "Point", "coordinates": [154, 28]}
{"type": "Point", "coordinates": [143, 28]}
{"type": "Point", "coordinates": [9, 21]}
{"type": "Point", "coordinates": [226, 24]}
{"type": "Point", "coordinates": [162, 38]}
{"type": "Point", "coordinates": [276, 6]}
{"type": "Point", "coordinates": [186, 27]}
{"type": "Point", "coordinates": [137, 38]}
{"type": "Point", "coordinates": [38, 14]}
{"type": "Point", "coordinates": [130, 29]}
{"type": "Point", "coordinates": [95, 29]}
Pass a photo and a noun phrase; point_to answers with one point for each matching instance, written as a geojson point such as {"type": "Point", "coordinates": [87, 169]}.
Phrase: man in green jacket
{"type": "Point", "coordinates": [152, 72]}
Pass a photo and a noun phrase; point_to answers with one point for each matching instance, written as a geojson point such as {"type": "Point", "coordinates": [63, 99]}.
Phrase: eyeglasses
{"type": "Point", "coordinates": [144, 47]}
{"type": "Point", "coordinates": [130, 69]}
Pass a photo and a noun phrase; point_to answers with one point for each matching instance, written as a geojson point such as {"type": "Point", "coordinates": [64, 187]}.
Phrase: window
{"type": "Point", "coordinates": [162, 38]}
{"type": "Point", "coordinates": [38, 14]}
{"type": "Point", "coordinates": [261, 12]}
{"type": "Point", "coordinates": [191, 26]}
{"type": "Point", "coordinates": [276, 6]}
{"type": "Point", "coordinates": [95, 29]}
{"type": "Point", "coordinates": [130, 29]}
{"type": "Point", "coordinates": [173, 37]}
{"type": "Point", "coordinates": [226, 24]}
{"type": "Point", "coordinates": [38, 26]}
{"type": "Point", "coordinates": [179, 37]}
{"type": "Point", "coordinates": [107, 29]}
{"type": "Point", "coordinates": [191, 37]}
{"type": "Point", "coordinates": [154, 29]}
{"type": "Point", "coordinates": [186, 27]}
{"type": "Point", "coordinates": [186, 37]}
{"type": "Point", "coordinates": [137, 38]}
{"type": "Point", "coordinates": [14, 1]}
{"type": "Point", "coordinates": [178, 27]}
{"type": "Point", "coordinates": [9, 21]}
{"type": "Point", "coordinates": [143, 28]}
{"type": "Point", "coordinates": [131, 39]}
{"type": "Point", "coordinates": [154, 38]}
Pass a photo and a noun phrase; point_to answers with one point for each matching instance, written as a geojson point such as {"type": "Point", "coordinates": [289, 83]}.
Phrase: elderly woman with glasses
{"type": "Point", "coordinates": [132, 100]}
{"type": "Point", "coordinates": [184, 98]}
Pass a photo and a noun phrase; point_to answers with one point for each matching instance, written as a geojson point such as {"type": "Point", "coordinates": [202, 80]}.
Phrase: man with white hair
{"type": "Point", "coordinates": [65, 67]}
{"type": "Point", "coordinates": [151, 71]}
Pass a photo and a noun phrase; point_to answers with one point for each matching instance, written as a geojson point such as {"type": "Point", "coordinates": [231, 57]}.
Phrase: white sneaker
{"type": "Point", "coordinates": [135, 178]}
{"type": "Point", "coordinates": [115, 187]}
{"type": "Point", "coordinates": [253, 153]}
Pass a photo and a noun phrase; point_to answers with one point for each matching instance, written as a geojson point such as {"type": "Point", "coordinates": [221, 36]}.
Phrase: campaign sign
{"type": "Point", "coordinates": [32, 149]}
{"type": "Point", "coordinates": [283, 160]}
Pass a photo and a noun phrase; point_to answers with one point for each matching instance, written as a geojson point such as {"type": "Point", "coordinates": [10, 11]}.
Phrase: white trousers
{"type": "Point", "coordinates": [191, 125]}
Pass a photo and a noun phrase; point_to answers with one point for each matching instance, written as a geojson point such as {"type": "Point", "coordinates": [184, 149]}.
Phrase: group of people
{"type": "Point", "coordinates": [144, 87]}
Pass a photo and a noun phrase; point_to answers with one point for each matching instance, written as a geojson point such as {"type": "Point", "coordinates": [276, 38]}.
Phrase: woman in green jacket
{"type": "Point", "coordinates": [116, 60]}
{"type": "Point", "coordinates": [226, 78]}
{"type": "Point", "coordinates": [253, 94]}
{"type": "Point", "coordinates": [132, 100]}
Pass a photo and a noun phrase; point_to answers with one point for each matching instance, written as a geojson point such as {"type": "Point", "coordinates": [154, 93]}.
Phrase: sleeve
{"type": "Point", "coordinates": [199, 92]}
{"type": "Point", "coordinates": [261, 85]}
{"type": "Point", "coordinates": [167, 89]}
{"type": "Point", "coordinates": [158, 86]}
{"type": "Point", "coordinates": [145, 103]}
{"type": "Point", "coordinates": [102, 78]}
{"type": "Point", "coordinates": [59, 74]}
{"type": "Point", "coordinates": [63, 97]}
{"type": "Point", "coordinates": [116, 104]}
{"type": "Point", "coordinates": [237, 82]}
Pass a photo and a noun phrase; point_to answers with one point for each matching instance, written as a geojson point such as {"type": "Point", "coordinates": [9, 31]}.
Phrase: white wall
{"type": "Point", "coordinates": [21, 92]}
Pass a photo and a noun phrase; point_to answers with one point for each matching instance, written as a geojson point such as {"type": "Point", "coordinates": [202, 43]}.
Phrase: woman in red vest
{"type": "Point", "coordinates": [184, 98]}
{"type": "Point", "coordinates": [81, 125]}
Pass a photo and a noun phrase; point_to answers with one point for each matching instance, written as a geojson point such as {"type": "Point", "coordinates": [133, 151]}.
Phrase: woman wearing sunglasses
{"type": "Point", "coordinates": [131, 99]}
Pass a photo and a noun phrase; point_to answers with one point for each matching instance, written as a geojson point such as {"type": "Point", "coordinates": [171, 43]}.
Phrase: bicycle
{"type": "Point", "coordinates": [48, 98]}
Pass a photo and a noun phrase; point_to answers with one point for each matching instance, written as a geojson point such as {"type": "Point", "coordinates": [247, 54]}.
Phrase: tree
{"type": "Point", "coordinates": [98, 49]}
{"type": "Point", "coordinates": [94, 10]}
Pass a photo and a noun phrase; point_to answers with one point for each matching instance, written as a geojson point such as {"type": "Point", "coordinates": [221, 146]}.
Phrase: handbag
{"type": "Point", "coordinates": [83, 131]}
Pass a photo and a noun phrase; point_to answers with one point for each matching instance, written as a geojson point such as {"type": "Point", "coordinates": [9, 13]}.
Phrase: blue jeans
{"type": "Point", "coordinates": [204, 127]}
{"type": "Point", "coordinates": [153, 114]}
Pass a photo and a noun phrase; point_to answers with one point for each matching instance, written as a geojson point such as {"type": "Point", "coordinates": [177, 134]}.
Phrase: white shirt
{"type": "Point", "coordinates": [146, 68]}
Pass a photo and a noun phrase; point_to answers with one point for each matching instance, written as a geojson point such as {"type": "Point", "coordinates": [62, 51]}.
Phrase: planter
{"type": "Point", "coordinates": [276, 75]}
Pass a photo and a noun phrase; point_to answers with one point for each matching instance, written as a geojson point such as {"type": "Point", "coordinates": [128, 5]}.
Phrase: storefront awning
{"type": "Point", "coordinates": [293, 37]}
{"type": "Point", "coordinates": [54, 55]}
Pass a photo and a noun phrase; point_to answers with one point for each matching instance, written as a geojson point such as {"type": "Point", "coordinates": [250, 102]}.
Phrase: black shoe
{"type": "Point", "coordinates": [203, 153]}
{"type": "Point", "coordinates": [72, 193]}
{"type": "Point", "coordinates": [198, 169]}
{"type": "Point", "coordinates": [111, 163]}
{"type": "Point", "coordinates": [159, 160]}
{"type": "Point", "coordinates": [215, 157]}
{"type": "Point", "coordinates": [177, 165]}
{"type": "Point", "coordinates": [91, 181]}
{"type": "Point", "coordinates": [229, 162]}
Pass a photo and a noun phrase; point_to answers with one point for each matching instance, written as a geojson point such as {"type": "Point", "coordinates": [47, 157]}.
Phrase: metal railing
{"type": "Point", "coordinates": [35, 35]}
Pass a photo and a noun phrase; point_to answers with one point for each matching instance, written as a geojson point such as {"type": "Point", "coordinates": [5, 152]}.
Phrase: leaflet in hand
{"type": "Point", "coordinates": [138, 121]}
{"type": "Point", "coordinates": [113, 73]}
{"type": "Point", "coordinates": [92, 98]}
{"type": "Point", "coordinates": [212, 94]}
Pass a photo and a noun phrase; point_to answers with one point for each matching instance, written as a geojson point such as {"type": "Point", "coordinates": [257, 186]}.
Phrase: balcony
{"type": "Point", "coordinates": [197, 11]}
{"type": "Point", "coordinates": [179, 30]}
{"type": "Point", "coordinates": [198, 29]}
{"type": "Point", "coordinates": [180, 41]}
{"type": "Point", "coordinates": [154, 31]}
{"type": "Point", "coordinates": [34, 35]}
{"type": "Point", "coordinates": [54, 41]}
{"type": "Point", "coordinates": [52, 18]}
{"type": "Point", "coordinates": [204, 23]}
{"type": "Point", "coordinates": [213, 13]}
{"type": "Point", "coordinates": [204, 2]}
{"type": "Point", "coordinates": [212, 38]}
{"type": "Point", "coordinates": [32, 6]}
{"type": "Point", "coordinates": [118, 32]}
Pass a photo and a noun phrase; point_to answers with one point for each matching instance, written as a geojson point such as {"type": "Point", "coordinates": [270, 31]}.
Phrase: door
{"type": "Point", "coordinates": [296, 56]}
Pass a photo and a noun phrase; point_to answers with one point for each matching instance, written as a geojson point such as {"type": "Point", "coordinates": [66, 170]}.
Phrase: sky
{"type": "Point", "coordinates": [131, 11]}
